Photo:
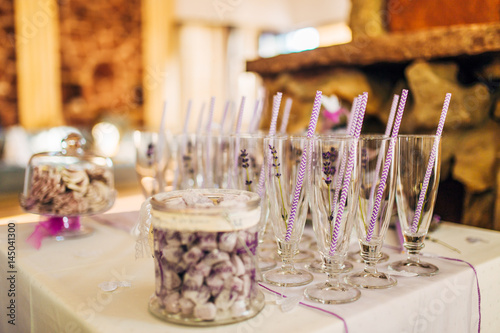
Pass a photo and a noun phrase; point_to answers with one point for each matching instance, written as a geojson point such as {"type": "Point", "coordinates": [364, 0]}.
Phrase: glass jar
{"type": "Point", "coordinates": [204, 245]}
{"type": "Point", "coordinates": [61, 186]}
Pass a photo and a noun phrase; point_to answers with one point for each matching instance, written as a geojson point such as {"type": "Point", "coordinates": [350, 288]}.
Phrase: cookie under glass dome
{"type": "Point", "coordinates": [63, 186]}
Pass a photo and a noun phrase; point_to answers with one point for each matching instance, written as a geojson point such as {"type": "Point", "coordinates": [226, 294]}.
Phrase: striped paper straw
{"type": "Point", "coordinates": [388, 129]}
{"type": "Point", "coordinates": [350, 165]}
{"type": "Point", "coordinates": [240, 115]}
{"type": "Point", "coordinates": [286, 115]}
{"type": "Point", "coordinates": [430, 166]}
{"type": "Point", "coordinates": [302, 166]}
{"type": "Point", "coordinates": [387, 166]}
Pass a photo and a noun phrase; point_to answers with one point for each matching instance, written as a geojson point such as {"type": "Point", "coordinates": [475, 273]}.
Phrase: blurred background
{"type": "Point", "coordinates": [105, 68]}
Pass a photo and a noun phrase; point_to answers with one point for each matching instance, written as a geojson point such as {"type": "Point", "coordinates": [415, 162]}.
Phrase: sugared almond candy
{"type": "Point", "coordinates": [225, 299]}
{"type": "Point", "coordinates": [205, 311]}
{"type": "Point", "coordinates": [192, 255]}
{"type": "Point", "coordinates": [187, 306]}
{"type": "Point", "coordinates": [227, 241]}
{"type": "Point", "coordinates": [172, 254]}
{"type": "Point", "coordinates": [238, 265]}
{"type": "Point", "coordinates": [207, 241]}
{"type": "Point", "coordinates": [224, 269]}
{"type": "Point", "coordinates": [172, 304]}
{"type": "Point", "coordinates": [171, 280]}
{"type": "Point", "coordinates": [203, 268]}
{"type": "Point", "coordinates": [215, 283]}
{"type": "Point", "coordinates": [199, 296]}
{"type": "Point", "coordinates": [193, 279]}
{"type": "Point", "coordinates": [215, 257]}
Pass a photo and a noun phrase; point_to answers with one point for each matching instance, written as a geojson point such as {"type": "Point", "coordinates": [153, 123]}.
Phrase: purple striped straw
{"type": "Point", "coordinates": [302, 166]}
{"type": "Point", "coordinates": [350, 165]}
{"type": "Point", "coordinates": [200, 119]}
{"type": "Point", "coordinates": [388, 129]}
{"type": "Point", "coordinates": [210, 115]}
{"type": "Point", "coordinates": [286, 115]}
{"type": "Point", "coordinates": [224, 116]}
{"type": "Point", "coordinates": [430, 166]}
{"type": "Point", "coordinates": [356, 108]}
{"type": "Point", "coordinates": [272, 131]}
{"type": "Point", "coordinates": [387, 166]}
{"type": "Point", "coordinates": [240, 115]}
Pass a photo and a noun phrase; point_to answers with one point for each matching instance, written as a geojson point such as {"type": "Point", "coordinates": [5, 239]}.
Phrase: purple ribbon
{"type": "Point", "coordinates": [310, 306]}
{"type": "Point", "coordinates": [52, 227]}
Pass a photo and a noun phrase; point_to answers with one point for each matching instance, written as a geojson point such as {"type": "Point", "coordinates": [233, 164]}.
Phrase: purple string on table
{"type": "Point", "coordinates": [302, 166]}
{"type": "Point", "coordinates": [272, 131]}
{"type": "Point", "coordinates": [348, 172]}
{"type": "Point", "coordinates": [387, 166]}
{"type": "Point", "coordinates": [309, 306]}
{"type": "Point", "coordinates": [477, 286]}
{"type": "Point", "coordinates": [430, 166]}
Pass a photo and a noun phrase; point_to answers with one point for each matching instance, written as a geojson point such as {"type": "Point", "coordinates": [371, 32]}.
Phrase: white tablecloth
{"type": "Point", "coordinates": [56, 288]}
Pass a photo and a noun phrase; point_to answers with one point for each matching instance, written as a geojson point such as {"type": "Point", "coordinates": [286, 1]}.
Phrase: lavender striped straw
{"type": "Point", "coordinates": [302, 167]}
{"type": "Point", "coordinates": [430, 166]}
{"type": "Point", "coordinates": [351, 127]}
{"type": "Point", "coordinates": [286, 115]}
{"type": "Point", "coordinates": [388, 129]}
{"type": "Point", "coordinates": [254, 122]}
{"type": "Point", "coordinates": [387, 166]}
{"type": "Point", "coordinates": [272, 131]}
{"type": "Point", "coordinates": [224, 117]}
{"type": "Point", "coordinates": [350, 165]}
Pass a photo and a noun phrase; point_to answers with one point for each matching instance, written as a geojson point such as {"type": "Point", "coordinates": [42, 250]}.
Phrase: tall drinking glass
{"type": "Point", "coordinates": [150, 168]}
{"type": "Point", "coordinates": [284, 161]}
{"type": "Point", "coordinates": [376, 175]}
{"type": "Point", "coordinates": [415, 207]}
{"type": "Point", "coordinates": [246, 167]}
{"type": "Point", "coordinates": [332, 211]}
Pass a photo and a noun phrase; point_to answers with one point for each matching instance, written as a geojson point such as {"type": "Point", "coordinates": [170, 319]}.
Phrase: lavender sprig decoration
{"type": "Point", "coordinates": [329, 170]}
{"type": "Point", "coordinates": [245, 165]}
{"type": "Point", "coordinates": [276, 165]}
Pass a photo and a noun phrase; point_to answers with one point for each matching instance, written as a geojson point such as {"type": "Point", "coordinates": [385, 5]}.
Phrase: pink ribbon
{"type": "Point", "coordinates": [52, 227]}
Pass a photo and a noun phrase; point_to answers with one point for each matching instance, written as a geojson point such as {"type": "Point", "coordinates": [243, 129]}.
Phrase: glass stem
{"type": "Point", "coordinates": [287, 265]}
{"type": "Point", "coordinates": [332, 280]}
{"type": "Point", "coordinates": [413, 249]}
{"type": "Point", "coordinates": [370, 267]}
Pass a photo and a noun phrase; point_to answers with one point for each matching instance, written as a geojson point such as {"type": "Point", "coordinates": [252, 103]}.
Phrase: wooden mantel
{"type": "Point", "coordinates": [434, 43]}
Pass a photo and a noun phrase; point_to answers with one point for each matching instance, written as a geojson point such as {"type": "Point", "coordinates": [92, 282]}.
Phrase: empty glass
{"type": "Point", "coordinates": [418, 167]}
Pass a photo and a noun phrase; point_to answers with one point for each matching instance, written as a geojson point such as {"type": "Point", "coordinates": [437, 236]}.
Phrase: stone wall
{"type": "Point", "coordinates": [8, 76]}
{"type": "Point", "coordinates": [470, 148]}
{"type": "Point", "coordinates": [101, 64]}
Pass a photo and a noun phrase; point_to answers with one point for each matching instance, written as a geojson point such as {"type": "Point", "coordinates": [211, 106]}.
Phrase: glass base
{"type": "Point", "coordinates": [356, 257]}
{"type": "Point", "coordinates": [265, 264]}
{"type": "Point", "coordinates": [317, 267]}
{"type": "Point", "coordinates": [329, 294]}
{"type": "Point", "coordinates": [368, 280]}
{"type": "Point", "coordinates": [420, 268]}
{"type": "Point", "coordinates": [221, 318]}
{"type": "Point", "coordinates": [83, 231]}
{"type": "Point", "coordinates": [288, 278]}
